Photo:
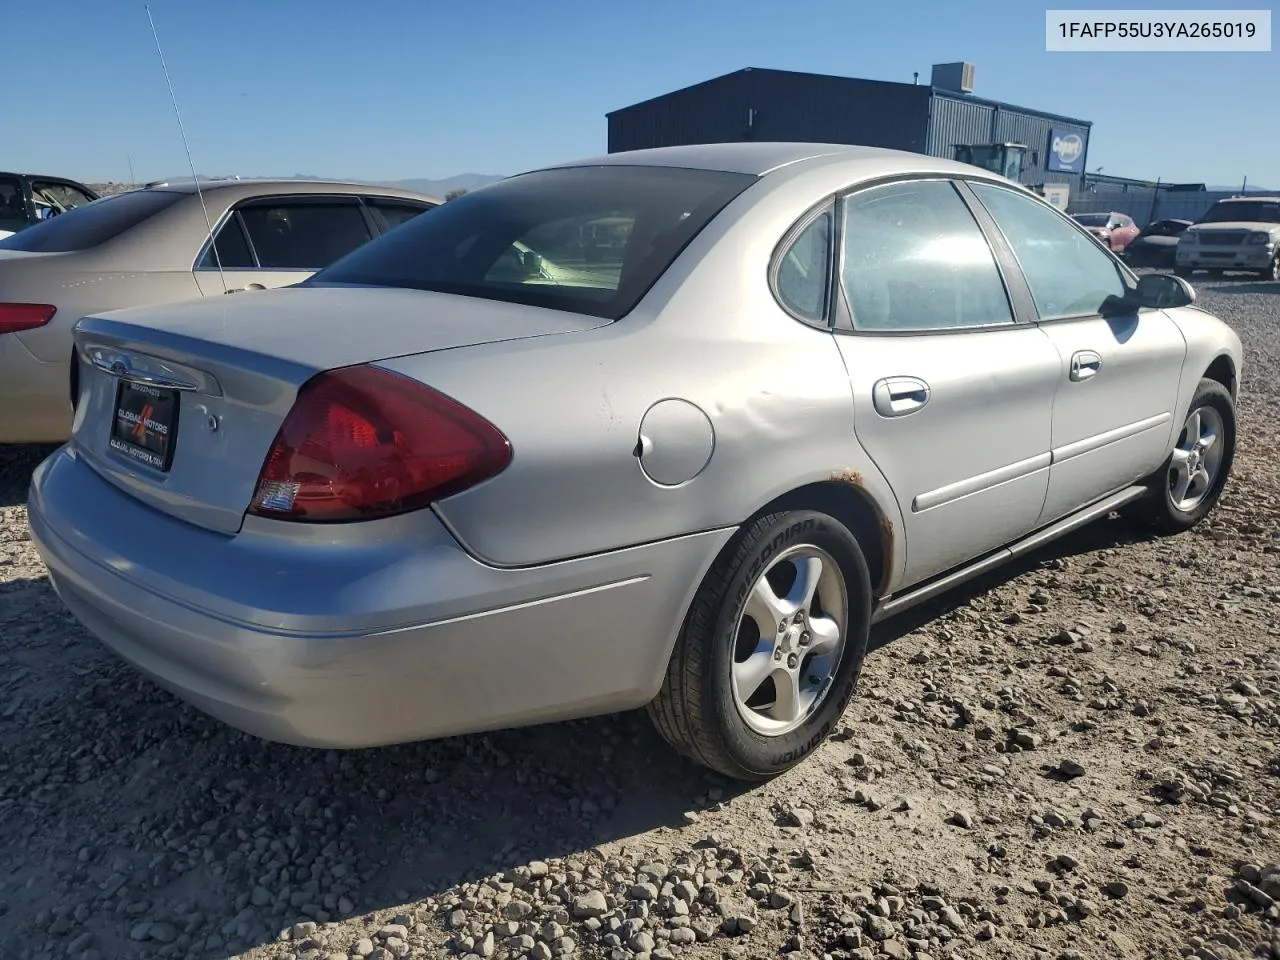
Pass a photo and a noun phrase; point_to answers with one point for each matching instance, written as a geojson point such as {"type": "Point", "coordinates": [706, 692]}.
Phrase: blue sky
{"type": "Point", "coordinates": [390, 89]}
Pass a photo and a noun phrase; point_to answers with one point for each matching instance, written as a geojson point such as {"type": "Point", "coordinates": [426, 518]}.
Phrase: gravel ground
{"type": "Point", "coordinates": [1076, 757]}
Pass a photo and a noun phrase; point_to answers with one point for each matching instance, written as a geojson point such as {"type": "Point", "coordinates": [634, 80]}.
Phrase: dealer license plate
{"type": "Point", "coordinates": [145, 424]}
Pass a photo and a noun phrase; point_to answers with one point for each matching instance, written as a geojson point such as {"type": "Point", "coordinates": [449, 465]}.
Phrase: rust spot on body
{"type": "Point", "coordinates": [887, 548]}
{"type": "Point", "coordinates": [852, 477]}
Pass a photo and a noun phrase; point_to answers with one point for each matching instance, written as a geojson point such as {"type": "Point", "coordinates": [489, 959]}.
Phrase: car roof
{"type": "Point", "coordinates": [1249, 200]}
{"type": "Point", "coordinates": [260, 186]}
{"type": "Point", "coordinates": [39, 176]}
{"type": "Point", "coordinates": [759, 158]}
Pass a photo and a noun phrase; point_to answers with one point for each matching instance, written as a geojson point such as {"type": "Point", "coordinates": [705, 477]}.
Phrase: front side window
{"type": "Point", "coordinates": [1070, 273]}
{"type": "Point", "coordinates": [92, 224]}
{"type": "Point", "coordinates": [297, 234]}
{"type": "Point", "coordinates": [59, 197]}
{"type": "Point", "coordinates": [589, 240]}
{"type": "Point", "coordinates": [804, 270]}
{"type": "Point", "coordinates": [915, 259]}
{"type": "Point", "coordinates": [13, 209]}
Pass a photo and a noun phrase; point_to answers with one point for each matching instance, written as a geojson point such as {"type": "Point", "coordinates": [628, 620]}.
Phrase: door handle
{"type": "Point", "coordinates": [898, 396]}
{"type": "Point", "coordinates": [1084, 364]}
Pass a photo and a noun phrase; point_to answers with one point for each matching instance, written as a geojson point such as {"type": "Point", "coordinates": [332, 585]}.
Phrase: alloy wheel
{"type": "Point", "coordinates": [1196, 459]}
{"type": "Point", "coordinates": [790, 636]}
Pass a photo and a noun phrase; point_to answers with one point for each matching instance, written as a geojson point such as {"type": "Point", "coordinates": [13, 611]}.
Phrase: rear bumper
{"type": "Point", "coordinates": [364, 642]}
{"type": "Point", "coordinates": [35, 398]}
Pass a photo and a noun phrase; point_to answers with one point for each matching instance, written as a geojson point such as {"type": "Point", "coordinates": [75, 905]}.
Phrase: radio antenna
{"type": "Point", "coordinates": [217, 258]}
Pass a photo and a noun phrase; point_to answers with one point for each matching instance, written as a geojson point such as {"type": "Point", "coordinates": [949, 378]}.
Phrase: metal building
{"type": "Point", "coordinates": [941, 118]}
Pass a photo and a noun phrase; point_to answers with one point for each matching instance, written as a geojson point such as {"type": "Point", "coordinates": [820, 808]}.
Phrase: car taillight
{"type": "Point", "coordinates": [362, 442]}
{"type": "Point", "coordinates": [15, 317]}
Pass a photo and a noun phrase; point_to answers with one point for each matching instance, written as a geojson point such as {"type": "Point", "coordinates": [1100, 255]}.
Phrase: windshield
{"type": "Point", "coordinates": [91, 224]}
{"type": "Point", "coordinates": [1255, 211]}
{"type": "Point", "coordinates": [1093, 219]}
{"type": "Point", "coordinates": [590, 240]}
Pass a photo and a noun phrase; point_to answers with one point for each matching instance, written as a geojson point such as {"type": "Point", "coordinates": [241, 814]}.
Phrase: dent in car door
{"type": "Point", "coordinates": [952, 397]}
{"type": "Point", "coordinates": [1118, 380]}
{"type": "Point", "coordinates": [277, 241]}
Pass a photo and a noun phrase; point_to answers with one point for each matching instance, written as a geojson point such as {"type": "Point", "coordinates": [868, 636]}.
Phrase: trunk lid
{"type": "Point", "coordinates": [237, 363]}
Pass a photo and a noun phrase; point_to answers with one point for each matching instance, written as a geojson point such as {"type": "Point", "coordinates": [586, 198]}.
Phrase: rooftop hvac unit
{"type": "Point", "coordinates": [953, 76]}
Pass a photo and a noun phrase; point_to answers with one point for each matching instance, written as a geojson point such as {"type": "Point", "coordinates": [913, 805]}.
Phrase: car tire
{"type": "Point", "coordinates": [1272, 272]}
{"type": "Point", "coordinates": [1212, 411]}
{"type": "Point", "coordinates": [710, 707]}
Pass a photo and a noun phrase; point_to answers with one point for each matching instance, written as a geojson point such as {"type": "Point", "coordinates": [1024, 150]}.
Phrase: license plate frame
{"type": "Point", "coordinates": [144, 424]}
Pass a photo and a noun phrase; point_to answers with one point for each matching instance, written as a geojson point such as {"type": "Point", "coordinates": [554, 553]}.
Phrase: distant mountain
{"type": "Point", "coordinates": [438, 188]}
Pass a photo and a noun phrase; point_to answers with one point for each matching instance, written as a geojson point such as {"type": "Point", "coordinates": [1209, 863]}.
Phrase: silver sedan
{"type": "Point", "coordinates": [666, 428]}
{"type": "Point", "coordinates": [153, 246]}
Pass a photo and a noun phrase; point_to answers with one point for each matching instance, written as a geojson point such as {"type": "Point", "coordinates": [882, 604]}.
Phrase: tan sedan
{"type": "Point", "coordinates": [152, 246]}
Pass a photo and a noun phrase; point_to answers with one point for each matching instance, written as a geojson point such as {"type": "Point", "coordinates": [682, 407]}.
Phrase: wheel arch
{"type": "Point", "coordinates": [1223, 370]}
{"type": "Point", "coordinates": [844, 498]}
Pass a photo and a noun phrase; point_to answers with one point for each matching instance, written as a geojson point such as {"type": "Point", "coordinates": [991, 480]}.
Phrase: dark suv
{"type": "Point", "coordinates": [28, 198]}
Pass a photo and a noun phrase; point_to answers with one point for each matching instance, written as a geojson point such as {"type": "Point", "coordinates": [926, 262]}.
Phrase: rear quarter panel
{"type": "Point", "coordinates": [775, 392]}
{"type": "Point", "coordinates": [77, 293]}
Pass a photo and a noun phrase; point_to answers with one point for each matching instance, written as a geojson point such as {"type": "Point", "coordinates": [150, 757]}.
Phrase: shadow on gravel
{"type": "Point", "coordinates": [17, 461]}
{"type": "Point", "coordinates": [1100, 535]}
{"type": "Point", "coordinates": [130, 817]}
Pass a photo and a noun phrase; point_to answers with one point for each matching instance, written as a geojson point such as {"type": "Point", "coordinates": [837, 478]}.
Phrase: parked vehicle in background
{"type": "Point", "coordinates": [1156, 245]}
{"type": "Point", "coordinates": [1115, 231]}
{"type": "Point", "coordinates": [152, 246]}
{"type": "Point", "coordinates": [429, 492]}
{"type": "Point", "coordinates": [28, 198]}
{"type": "Point", "coordinates": [1238, 233]}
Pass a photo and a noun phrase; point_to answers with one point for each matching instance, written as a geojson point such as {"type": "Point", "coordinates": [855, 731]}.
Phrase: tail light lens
{"type": "Point", "coordinates": [362, 442]}
{"type": "Point", "coordinates": [16, 317]}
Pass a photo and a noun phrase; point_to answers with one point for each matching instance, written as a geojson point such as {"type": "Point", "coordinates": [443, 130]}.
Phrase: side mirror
{"type": "Point", "coordinates": [1164, 291]}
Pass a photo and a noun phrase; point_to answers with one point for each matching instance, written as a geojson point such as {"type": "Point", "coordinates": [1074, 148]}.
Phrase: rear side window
{"type": "Point", "coordinates": [13, 210]}
{"type": "Point", "coordinates": [297, 235]}
{"type": "Point", "coordinates": [915, 259]}
{"type": "Point", "coordinates": [233, 249]}
{"type": "Point", "coordinates": [803, 272]}
{"type": "Point", "coordinates": [391, 213]}
{"type": "Point", "coordinates": [589, 240]}
{"type": "Point", "coordinates": [92, 224]}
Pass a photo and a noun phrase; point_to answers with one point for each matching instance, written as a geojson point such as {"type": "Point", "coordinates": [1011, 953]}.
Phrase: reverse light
{"type": "Point", "coordinates": [16, 317]}
{"type": "Point", "coordinates": [362, 442]}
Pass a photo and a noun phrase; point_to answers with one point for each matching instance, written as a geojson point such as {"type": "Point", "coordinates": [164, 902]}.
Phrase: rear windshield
{"type": "Point", "coordinates": [589, 240]}
{"type": "Point", "coordinates": [1254, 211]}
{"type": "Point", "coordinates": [92, 224]}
